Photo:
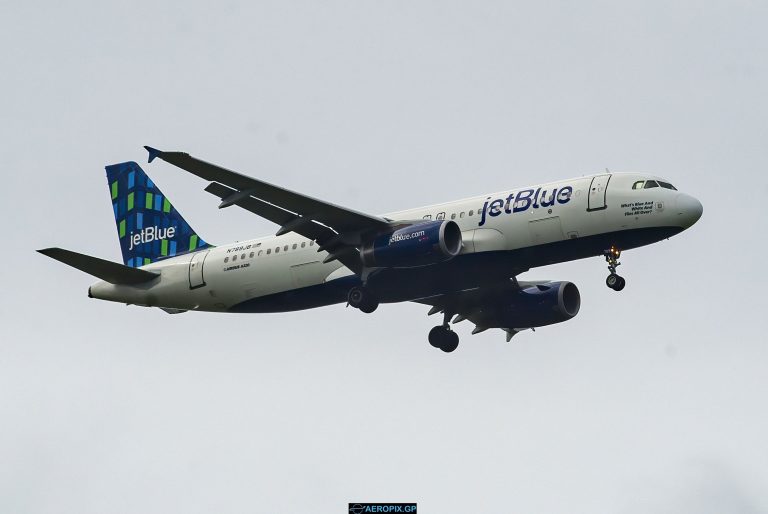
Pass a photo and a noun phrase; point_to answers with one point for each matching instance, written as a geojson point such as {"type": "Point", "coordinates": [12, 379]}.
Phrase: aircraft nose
{"type": "Point", "coordinates": [689, 210]}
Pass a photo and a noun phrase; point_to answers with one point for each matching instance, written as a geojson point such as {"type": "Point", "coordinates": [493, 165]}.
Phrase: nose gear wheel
{"type": "Point", "coordinates": [614, 281]}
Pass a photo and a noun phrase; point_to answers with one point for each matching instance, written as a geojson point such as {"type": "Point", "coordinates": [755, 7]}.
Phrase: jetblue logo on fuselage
{"type": "Point", "coordinates": [523, 200]}
{"type": "Point", "coordinates": [149, 234]}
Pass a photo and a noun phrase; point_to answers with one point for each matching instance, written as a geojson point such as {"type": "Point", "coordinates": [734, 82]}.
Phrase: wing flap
{"type": "Point", "coordinates": [295, 223]}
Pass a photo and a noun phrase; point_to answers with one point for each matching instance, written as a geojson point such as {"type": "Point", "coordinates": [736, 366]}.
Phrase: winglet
{"type": "Point", "coordinates": [153, 152]}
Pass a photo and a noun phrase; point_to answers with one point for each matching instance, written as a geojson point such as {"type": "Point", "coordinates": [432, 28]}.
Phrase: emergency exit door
{"type": "Point", "coordinates": [596, 200]}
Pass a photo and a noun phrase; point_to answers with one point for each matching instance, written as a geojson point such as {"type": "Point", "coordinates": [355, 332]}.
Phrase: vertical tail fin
{"type": "Point", "coordinates": [148, 226]}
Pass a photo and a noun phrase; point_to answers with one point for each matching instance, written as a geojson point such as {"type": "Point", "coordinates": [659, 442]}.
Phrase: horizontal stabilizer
{"type": "Point", "coordinates": [108, 271]}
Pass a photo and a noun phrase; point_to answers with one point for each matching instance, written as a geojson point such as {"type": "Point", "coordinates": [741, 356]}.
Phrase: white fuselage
{"type": "Point", "coordinates": [216, 279]}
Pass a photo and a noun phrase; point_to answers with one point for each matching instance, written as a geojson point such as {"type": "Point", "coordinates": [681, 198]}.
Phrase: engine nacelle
{"type": "Point", "coordinates": [428, 242]}
{"type": "Point", "coordinates": [535, 305]}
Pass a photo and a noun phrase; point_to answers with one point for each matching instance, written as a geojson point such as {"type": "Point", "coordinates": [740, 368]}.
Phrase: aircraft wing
{"type": "Point", "coordinates": [479, 305]}
{"type": "Point", "coordinates": [336, 229]}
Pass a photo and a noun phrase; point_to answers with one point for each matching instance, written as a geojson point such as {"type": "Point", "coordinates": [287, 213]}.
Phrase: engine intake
{"type": "Point", "coordinates": [419, 244]}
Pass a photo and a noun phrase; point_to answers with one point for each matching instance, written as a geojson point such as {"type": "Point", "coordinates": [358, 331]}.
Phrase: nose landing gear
{"type": "Point", "coordinates": [614, 281]}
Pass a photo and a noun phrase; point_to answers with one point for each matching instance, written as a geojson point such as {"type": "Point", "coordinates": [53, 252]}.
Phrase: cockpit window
{"type": "Point", "coordinates": [648, 184]}
{"type": "Point", "coordinates": [667, 185]}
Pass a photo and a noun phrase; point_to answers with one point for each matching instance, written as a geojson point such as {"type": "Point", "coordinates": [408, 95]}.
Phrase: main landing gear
{"type": "Point", "coordinates": [443, 337]}
{"type": "Point", "coordinates": [361, 298]}
{"type": "Point", "coordinates": [614, 281]}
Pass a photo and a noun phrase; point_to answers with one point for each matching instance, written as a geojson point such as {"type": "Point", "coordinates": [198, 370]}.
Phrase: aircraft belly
{"type": "Point", "coordinates": [464, 271]}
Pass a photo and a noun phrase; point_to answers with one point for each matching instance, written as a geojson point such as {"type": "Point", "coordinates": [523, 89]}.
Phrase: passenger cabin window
{"type": "Point", "coordinates": [471, 213]}
{"type": "Point", "coordinates": [650, 183]}
{"type": "Point", "coordinates": [461, 215]}
{"type": "Point", "coordinates": [428, 217]}
{"type": "Point", "coordinates": [252, 254]}
{"type": "Point", "coordinates": [242, 256]}
{"type": "Point", "coordinates": [277, 250]}
{"type": "Point", "coordinates": [234, 258]}
{"type": "Point", "coordinates": [440, 216]}
{"type": "Point", "coordinates": [311, 243]}
{"type": "Point", "coordinates": [285, 248]}
{"type": "Point", "coordinates": [303, 244]}
{"type": "Point", "coordinates": [260, 251]}
{"type": "Point", "coordinates": [269, 250]}
{"type": "Point", "coordinates": [667, 185]}
{"type": "Point", "coordinates": [226, 260]}
{"type": "Point", "coordinates": [453, 216]}
{"type": "Point", "coordinates": [638, 185]}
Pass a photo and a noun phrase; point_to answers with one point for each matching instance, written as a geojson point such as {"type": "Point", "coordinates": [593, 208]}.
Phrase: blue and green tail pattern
{"type": "Point", "coordinates": [149, 227]}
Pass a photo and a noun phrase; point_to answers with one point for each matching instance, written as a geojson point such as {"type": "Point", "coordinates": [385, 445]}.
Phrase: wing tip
{"type": "Point", "coordinates": [153, 152]}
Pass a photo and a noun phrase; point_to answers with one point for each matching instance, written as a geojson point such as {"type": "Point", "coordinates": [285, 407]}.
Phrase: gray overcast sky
{"type": "Point", "coordinates": [652, 400]}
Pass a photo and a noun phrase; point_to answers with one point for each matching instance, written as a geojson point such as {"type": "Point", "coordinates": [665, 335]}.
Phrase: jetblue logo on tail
{"type": "Point", "coordinates": [150, 234]}
{"type": "Point", "coordinates": [148, 225]}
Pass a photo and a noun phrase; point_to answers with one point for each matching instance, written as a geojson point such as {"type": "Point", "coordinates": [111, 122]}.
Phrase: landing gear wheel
{"type": "Point", "coordinates": [355, 297]}
{"type": "Point", "coordinates": [451, 342]}
{"type": "Point", "coordinates": [368, 306]}
{"type": "Point", "coordinates": [361, 299]}
{"type": "Point", "coordinates": [436, 336]}
{"type": "Point", "coordinates": [444, 338]}
{"type": "Point", "coordinates": [615, 282]}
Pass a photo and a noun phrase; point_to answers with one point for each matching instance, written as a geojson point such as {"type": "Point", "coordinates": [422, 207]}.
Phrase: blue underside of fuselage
{"type": "Point", "coordinates": [462, 272]}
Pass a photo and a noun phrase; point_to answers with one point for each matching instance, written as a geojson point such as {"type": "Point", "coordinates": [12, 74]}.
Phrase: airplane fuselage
{"type": "Point", "coordinates": [503, 234]}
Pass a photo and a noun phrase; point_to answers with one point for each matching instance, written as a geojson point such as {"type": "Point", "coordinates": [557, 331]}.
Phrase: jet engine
{"type": "Point", "coordinates": [534, 305]}
{"type": "Point", "coordinates": [419, 244]}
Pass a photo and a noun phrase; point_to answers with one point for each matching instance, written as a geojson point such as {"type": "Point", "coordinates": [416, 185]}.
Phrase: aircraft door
{"type": "Point", "coordinates": [196, 278]}
{"type": "Point", "coordinates": [598, 190]}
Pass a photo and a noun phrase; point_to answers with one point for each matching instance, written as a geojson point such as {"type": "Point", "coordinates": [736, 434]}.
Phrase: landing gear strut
{"type": "Point", "coordinates": [443, 337]}
{"type": "Point", "coordinates": [614, 281]}
{"type": "Point", "coordinates": [361, 298]}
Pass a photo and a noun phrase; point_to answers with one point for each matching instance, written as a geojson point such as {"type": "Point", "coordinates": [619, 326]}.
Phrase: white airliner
{"type": "Point", "coordinates": [461, 257]}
